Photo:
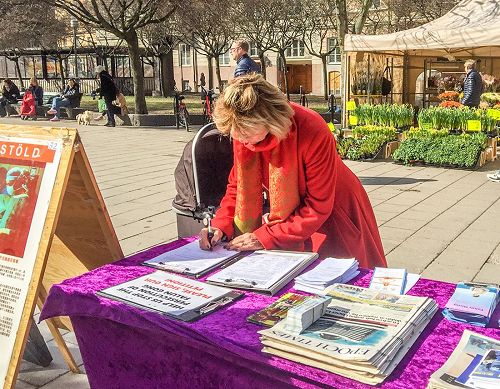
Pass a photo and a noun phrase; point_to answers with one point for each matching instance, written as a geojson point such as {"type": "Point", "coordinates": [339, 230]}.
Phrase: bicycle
{"type": "Point", "coordinates": [208, 98]}
{"type": "Point", "coordinates": [180, 111]}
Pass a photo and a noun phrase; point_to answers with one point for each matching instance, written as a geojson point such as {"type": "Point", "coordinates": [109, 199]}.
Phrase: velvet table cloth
{"type": "Point", "coordinates": [125, 347]}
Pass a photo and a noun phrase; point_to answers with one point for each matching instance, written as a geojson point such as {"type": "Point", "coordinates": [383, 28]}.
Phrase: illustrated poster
{"type": "Point", "coordinates": [28, 170]}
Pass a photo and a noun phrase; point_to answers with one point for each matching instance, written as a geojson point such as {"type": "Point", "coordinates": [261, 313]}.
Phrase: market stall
{"type": "Point", "coordinates": [420, 69]}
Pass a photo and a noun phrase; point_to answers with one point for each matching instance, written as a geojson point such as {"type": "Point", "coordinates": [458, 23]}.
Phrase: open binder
{"type": "Point", "coordinates": [264, 271]}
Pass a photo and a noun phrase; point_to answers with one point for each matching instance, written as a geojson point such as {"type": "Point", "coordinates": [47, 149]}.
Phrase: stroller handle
{"type": "Point", "coordinates": [201, 132]}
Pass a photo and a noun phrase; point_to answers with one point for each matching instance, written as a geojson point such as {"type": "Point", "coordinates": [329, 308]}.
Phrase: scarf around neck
{"type": "Point", "coordinates": [283, 182]}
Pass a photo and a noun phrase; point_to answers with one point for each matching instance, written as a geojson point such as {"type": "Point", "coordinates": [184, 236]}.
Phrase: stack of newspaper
{"type": "Point", "coordinates": [475, 363]}
{"type": "Point", "coordinates": [329, 271]}
{"type": "Point", "coordinates": [363, 335]}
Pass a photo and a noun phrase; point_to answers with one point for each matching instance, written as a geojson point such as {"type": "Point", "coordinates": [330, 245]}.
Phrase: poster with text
{"type": "Point", "coordinates": [28, 170]}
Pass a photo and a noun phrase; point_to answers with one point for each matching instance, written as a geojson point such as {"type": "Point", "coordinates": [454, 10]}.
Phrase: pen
{"type": "Point", "coordinates": [210, 233]}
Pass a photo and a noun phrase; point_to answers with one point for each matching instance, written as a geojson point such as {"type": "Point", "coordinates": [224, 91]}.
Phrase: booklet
{"type": "Point", "coordinates": [264, 271]}
{"type": "Point", "coordinates": [191, 260]}
{"type": "Point", "coordinates": [278, 310]}
{"type": "Point", "coordinates": [388, 280]}
{"type": "Point", "coordinates": [472, 303]}
{"type": "Point", "coordinates": [172, 295]}
{"type": "Point", "coordinates": [329, 271]}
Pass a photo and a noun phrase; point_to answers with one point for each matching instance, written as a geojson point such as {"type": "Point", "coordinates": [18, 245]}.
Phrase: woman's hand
{"type": "Point", "coordinates": [245, 242]}
{"type": "Point", "coordinates": [204, 243]}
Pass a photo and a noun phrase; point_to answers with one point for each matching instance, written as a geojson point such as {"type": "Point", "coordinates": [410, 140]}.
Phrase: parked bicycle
{"type": "Point", "coordinates": [208, 98]}
{"type": "Point", "coordinates": [180, 111]}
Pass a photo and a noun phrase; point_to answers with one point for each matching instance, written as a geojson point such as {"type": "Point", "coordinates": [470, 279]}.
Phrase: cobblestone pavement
{"type": "Point", "coordinates": [441, 223]}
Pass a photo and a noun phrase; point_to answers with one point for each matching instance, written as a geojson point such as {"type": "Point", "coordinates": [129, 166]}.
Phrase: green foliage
{"type": "Point", "coordinates": [394, 115]}
{"type": "Point", "coordinates": [438, 148]}
{"type": "Point", "coordinates": [366, 143]}
{"type": "Point", "coordinates": [455, 118]}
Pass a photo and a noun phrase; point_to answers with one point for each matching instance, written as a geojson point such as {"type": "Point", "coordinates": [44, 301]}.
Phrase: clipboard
{"type": "Point", "coordinates": [171, 295]}
{"type": "Point", "coordinates": [188, 316]}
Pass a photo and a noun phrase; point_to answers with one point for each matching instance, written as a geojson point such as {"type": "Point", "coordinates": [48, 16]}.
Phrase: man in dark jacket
{"type": "Point", "coordinates": [10, 95]}
{"type": "Point", "coordinates": [473, 85]}
{"type": "Point", "coordinates": [244, 64]}
{"type": "Point", "coordinates": [108, 91]}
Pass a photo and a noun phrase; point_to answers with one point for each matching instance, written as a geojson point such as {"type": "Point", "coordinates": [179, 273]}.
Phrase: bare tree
{"type": "Point", "coordinates": [319, 26]}
{"type": "Point", "coordinates": [159, 41]}
{"type": "Point", "coordinates": [255, 20]}
{"type": "Point", "coordinates": [287, 28]}
{"type": "Point", "coordinates": [103, 44]}
{"type": "Point", "coordinates": [207, 27]}
{"type": "Point", "coordinates": [27, 26]}
{"type": "Point", "coordinates": [123, 19]}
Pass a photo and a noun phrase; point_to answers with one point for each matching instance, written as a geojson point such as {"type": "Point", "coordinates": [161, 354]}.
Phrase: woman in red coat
{"type": "Point", "coordinates": [315, 202]}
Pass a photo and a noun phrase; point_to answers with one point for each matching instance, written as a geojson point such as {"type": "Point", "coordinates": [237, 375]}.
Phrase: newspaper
{"type": "Point", "coordinates": [470, 345]}
{"type": "Point", "coordinates": [363, 334]}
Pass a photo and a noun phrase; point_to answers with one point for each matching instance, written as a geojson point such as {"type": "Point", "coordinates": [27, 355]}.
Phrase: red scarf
{"type": "Point", "coordinates": [283, 182]}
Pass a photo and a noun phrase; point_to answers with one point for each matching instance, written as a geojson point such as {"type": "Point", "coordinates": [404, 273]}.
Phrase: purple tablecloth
{"type": "Point", "coordinates": [125, 347]}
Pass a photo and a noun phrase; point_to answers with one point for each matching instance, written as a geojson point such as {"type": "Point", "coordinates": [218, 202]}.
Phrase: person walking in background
{"type": "Point", "coordinates": [37, 91]}
{"type": "Point", "coordinates": [10, 95]}
{"type": "Point", "coordinates": [244, 64]}
{"type": "Point", "coordinates": [473, 85]}
{"type": "Point", "coordinates": [67, 99]}
{"type": "Point", "coordinates": [108, 91]}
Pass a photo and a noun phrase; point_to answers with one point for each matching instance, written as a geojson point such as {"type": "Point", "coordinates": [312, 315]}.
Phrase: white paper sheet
{"type": "Point", "coordinates": [191, 259]}
{"type": "Point", "coordinates": [261, 269]}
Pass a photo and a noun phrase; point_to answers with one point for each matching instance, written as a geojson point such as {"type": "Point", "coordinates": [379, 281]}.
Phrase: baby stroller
{"type": "Point", "coordinates": [28, 107]}
{"type": "Point", "coordinates": [201, 179]}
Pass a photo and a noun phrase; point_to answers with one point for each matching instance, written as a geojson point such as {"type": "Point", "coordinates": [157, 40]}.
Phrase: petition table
{"type": "Point", "coordinates": [125, 347]}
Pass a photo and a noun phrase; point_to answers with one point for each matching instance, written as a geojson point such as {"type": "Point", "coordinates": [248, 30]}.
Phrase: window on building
{"type": "Point", "coordinates": [224, 59]}
{"type": "Point", "coordinates": [296, 50]}
{"type": "Point", "coordinates": [335, 56]}
{"type": "Point", "coordinates": [52, 68]}
{"type": "Point", "coordinates": [334, 83]}
{"type": "Point", "coordinates": [122, 65]}
{"type": "Point", "coordinates": [252, 52]}
{"type": "Point", "coordinates": [184, 55]}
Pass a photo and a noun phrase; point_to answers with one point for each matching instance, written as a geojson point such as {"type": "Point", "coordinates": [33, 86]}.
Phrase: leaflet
{"type": "Point", "coordinates": [388, 280]}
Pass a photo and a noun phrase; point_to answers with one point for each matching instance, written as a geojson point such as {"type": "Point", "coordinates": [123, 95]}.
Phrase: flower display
{"type": "Point", "coordinates": [448, 96]}
{"type": "Point", "coordinates": [450, 104]}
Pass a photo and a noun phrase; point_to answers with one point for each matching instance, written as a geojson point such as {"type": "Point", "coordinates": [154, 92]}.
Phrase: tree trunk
{"type": "Point", "coordinates": [210, 71]}
{"type": "Point", "coordinates": [18, 71]}
{"type": "Point", "coordinates": [61, 69]}
{"type": "Point", "coordinates": [285, 73]}
{"type": "Point", "coordinates": [217, 73]}
{"type": "Point", "coordinates": [167, 73]}
{"type": "Point", "coordinates": [325, 76]}
{"type": "Point", "coordinates": [262, 59]}
{"type": "Point", "coordinates": [137, 75]}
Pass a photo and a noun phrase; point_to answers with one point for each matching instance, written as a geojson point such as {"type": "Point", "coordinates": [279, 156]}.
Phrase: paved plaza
{"type": "Point", "coordinates": [441, 223]}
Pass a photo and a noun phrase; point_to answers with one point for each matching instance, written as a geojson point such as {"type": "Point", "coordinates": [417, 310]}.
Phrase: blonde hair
{"type": "Point", "coordinates": [250, 103]}
{"type": "Point", "coordinates": [34, 81]}
{"type": "Point", "coordinates": [470, 64]}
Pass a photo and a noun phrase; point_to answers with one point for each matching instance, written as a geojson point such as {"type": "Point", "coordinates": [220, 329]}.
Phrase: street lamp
{"type": "Point", "coordinates": [74, 25]}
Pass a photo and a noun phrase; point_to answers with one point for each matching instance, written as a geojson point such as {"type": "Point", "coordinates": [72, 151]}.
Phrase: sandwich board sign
{"type": "Point", "coordinates": [53, 223]}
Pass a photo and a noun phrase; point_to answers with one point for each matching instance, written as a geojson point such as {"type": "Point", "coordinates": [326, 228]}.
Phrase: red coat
{"type": "Point", "coordinates": [335, 217]}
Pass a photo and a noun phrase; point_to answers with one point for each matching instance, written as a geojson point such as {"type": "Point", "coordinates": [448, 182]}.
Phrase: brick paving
{"type": "Point", "coordinates": [441, 223]}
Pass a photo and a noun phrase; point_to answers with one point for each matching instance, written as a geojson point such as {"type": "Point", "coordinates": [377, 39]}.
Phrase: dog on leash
{"type": "Point", "coordinates": [84, 118]}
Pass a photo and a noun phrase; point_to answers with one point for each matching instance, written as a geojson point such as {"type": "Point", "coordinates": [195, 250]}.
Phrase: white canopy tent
{"type": "Point", "coordinates": [471, 28]}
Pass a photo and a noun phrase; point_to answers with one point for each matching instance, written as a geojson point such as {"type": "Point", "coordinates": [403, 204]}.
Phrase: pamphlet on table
{"type": "Point", "coordinates": [388, 280]}
{"type": "Point", "coordinates": [265, 271]}
{"type": "Point", "coordinates": [172, 295]}
{"type": "Point", "coordinates": [191, 260]}
{"type": "Point", "coordinates": [472, 303]}
{"type": "Point", "coordinates": [329, 271]}
{"type": "Point", "coordinates": [278, 310]}
{"type": "Point", "coordinates": [470, 363]}
{"type": "Point", "coordinates": [363, 334]}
